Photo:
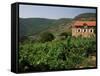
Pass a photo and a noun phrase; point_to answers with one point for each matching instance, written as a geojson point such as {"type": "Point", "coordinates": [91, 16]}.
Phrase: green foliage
{"type": "Point", "coordinates": [46, 36]}
{"type": "Point", "coordinates": [95, 30]}
{"type": "Point", "coordinates": [65, 34]}
{"type": "Point", "coordinates": [55, 55]}
{"type": "Point", "coordinates": [33, 26]}
{"type": "Point", "coordinates": [46, 53]}
{"type": "Point", "coordinates": [24, 39]}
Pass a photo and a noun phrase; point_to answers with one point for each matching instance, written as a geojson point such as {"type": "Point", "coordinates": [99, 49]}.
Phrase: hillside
{"type": "Point", "coordinates": [61, 25]}
{"type": "Point", "coordinates": [31, 26]}
{"type": "Point", "coordinates": [86, 16]}
{"type": "Point", "coordinates": [35, 26]}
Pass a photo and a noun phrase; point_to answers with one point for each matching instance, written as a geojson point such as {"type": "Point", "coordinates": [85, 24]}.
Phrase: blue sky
{"type": "Point", "coordinates": [33, 11]}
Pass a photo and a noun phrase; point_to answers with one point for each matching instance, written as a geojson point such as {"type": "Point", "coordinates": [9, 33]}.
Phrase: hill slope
{"type": "Point", "coordinates": [31, 26]}
{"type": "Point", "coordinates": [34, 26]}
{"type": "Point", "coordinates": [86, 16]}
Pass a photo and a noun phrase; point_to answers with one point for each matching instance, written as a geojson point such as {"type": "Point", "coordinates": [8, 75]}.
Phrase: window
{"type": "Point", "coordinates": [84, 30]}
{"type": "Point", "coordinates": [91, 30]}
{"type": "Point", "coordinates": [78, 30]}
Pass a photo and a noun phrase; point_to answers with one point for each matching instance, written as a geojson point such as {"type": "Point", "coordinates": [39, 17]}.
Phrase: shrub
{"type": "Point", "coordinates": [64, 34]}
{"type": "Point", "coordinates": [46, 36]}
{"type": "Point", "coordinates": [55, 55]}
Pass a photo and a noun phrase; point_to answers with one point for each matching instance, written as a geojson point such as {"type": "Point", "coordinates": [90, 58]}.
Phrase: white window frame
{"type": "Point", "coordinates": [78, 30]}
{"type": "Point", "coordinates": [84, 29]}
{"type": "Point", "coordinates": [91, 30]}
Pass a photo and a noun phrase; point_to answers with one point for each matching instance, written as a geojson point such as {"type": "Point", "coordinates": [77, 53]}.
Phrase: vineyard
{"type": "Point", "coordinates": [57, 54]}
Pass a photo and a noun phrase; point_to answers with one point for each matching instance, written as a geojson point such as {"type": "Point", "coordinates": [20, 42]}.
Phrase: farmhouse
{"type": "Point", "coordinates": [83, 28]}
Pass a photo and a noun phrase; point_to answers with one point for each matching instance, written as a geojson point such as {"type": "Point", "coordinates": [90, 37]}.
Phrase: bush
{"type": "Point", "coordinates": [55, 55]}
{"type": "Point", "coordinates": [46, 36]}
{"type": "Point", "coordinates": [64, 34]}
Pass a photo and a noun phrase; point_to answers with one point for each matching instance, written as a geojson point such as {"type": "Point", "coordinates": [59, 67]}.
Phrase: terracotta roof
{"type": "Point", "coordinates": [83, 23]}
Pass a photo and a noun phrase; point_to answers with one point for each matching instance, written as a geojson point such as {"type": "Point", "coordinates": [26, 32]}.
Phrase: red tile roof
{"type": "Point", "coordinates": [82, 23]}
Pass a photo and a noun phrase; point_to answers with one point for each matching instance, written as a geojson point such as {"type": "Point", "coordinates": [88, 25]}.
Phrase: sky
{"type": "Point", "coordinates": [50, 12]}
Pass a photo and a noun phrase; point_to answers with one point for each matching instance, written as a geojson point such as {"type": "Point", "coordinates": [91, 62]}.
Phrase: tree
{"type": "Point", "coordinates": [66, 34]}
{"type": "Point", "coordinates": [46, 36]}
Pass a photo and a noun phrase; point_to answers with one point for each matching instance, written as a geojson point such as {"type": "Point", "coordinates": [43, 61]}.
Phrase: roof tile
{"type": "Point", "coordinates": [88, 23]}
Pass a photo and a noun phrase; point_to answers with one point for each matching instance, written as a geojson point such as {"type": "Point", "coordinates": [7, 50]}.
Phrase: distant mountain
{"type": "Point", "coordinates": [86, 16]}
{"type": "Point", "coordinates": [33, 26]}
